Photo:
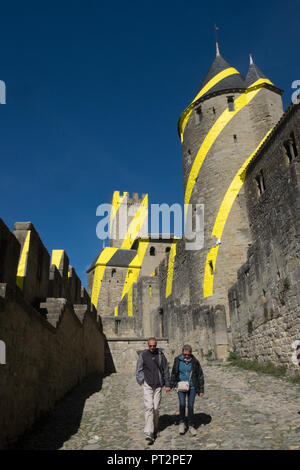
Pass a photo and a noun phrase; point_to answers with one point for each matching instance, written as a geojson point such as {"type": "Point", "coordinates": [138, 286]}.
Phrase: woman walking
{"type": "Point", "coordinates": [188, 380]}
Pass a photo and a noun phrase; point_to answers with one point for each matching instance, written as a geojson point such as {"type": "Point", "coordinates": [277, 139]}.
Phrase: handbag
{"type": "Point", "coordinates": [184, 385]}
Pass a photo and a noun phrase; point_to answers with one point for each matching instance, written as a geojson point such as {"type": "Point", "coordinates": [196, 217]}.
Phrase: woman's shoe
{"type": "Point", "coordinates": [192, 431]}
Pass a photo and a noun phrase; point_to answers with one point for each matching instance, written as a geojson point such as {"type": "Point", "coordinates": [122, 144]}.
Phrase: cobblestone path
{"type": "Point", "coordinates": [240, 410]}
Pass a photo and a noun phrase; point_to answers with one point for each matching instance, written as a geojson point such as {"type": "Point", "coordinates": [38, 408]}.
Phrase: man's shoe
{"type": "Point", "coordinates": [149, 438]}
{"type": "Point", "coordinates": [192, 431]}
{"type": "Point", "coordinates": [181, 428]}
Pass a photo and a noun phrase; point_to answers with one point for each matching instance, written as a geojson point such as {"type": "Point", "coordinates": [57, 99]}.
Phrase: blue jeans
{"type": "Point", "coordinates": [191, 394]}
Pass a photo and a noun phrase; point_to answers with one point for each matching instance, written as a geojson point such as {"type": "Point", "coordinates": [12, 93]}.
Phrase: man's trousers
{"type": "Point", "coordinates": [152, 397]}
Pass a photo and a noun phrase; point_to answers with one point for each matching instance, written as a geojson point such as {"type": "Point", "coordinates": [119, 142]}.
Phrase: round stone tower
{"type": "Point", "coordinates": [220, 130]}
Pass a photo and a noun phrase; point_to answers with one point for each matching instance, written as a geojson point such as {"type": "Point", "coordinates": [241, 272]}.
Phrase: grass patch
{"type": "Point", "coordinates": [294, 379]}
{"type": "Point", "coordinates": [263, 367]}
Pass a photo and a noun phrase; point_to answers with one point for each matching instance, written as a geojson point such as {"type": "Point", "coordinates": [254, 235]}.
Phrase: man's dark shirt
{"type": "Point", "coordinates": [151, 368]}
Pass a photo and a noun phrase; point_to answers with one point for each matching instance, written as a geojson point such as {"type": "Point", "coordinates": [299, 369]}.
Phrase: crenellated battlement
{"type": "Point", "coordinates": [25, 262]}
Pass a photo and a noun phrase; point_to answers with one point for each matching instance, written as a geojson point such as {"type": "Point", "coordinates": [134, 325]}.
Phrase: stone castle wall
{"type": "Point", "coordinates": [171, 320]}
{"type": "Point", "coordinates": [53, 337]}
{"type": "Point", "coordinates": [265, 301]}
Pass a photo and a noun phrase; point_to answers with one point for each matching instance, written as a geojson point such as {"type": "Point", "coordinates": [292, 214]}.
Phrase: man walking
{"type": "Point", "coordinates": [152, 372]}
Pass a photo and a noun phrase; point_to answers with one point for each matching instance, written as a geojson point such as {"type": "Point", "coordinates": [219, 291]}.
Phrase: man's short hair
{"type": "Point", "coordinates": [187, 347]}
{"type": "Point", "coordinates": [152, 339]}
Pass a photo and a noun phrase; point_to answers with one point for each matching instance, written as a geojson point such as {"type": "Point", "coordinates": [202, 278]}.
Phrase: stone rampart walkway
{"type": "Point", "coordinates": [241, 410]}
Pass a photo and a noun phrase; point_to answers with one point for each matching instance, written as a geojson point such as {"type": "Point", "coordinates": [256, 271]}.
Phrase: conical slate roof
{"type": "Point", "coordinates": [254, 73]}
{"type": "Point", "coordinates": [234, 80]}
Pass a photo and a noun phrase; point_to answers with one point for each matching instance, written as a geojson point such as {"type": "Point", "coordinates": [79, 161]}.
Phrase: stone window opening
{"type": "Point", "coordinates": [161, 317]}
{"type": "Point", "coordinates": [199, 115]}
{"type": "Point", "coordinates": [230, 102]}
{"type": "Point", "coordinates": [167, 249]}
{"type": "Point", "coordinates": [290, 147]}
{"type": "Point", "coordinates": [235, 307]}
{"type": "Point", "coordinates": [152, 251]}
{"type": "Point", "coordinates": [113, 272]}
{"type": "Point", "coordinates": [194, 221]}
{"type": "Point", "coordinates": [235, 138]}
{"type": "Point", "coordinates": [214, 111]}
{"type": "Point", "coordinates": [211, 267]}
{"type": "Point", "coordinates": [117, 327]}
{"type": "Point", "coordinates": [260, 181]}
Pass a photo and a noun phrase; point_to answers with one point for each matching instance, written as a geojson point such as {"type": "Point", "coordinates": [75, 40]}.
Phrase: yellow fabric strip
{"type": "Point", "coordinates": [136, 224]}
{"type": "Point", "coordinates": [171, 262]}
{"type": "Point", "coordinates": [57, 257]}
{"type": "Point", "coordinates": [186, 114]}
{"type": "Point", "coordinates": [23, 262]}
{"type": "Point", "coordinates": [216, 129]}
{"type": "Point", "coordinates": [222, 216]}
{"type": "Point", "coordinates": [100, 266]}
{"type": "Point", "coordinates": [133, 273]}
{"type": "Point", "coordinates": [130, 303]}
{"type": "Point", "coordinates": [115, 205]}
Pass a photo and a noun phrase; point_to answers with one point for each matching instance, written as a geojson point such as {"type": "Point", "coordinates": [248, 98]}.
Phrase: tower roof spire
{"type": "Point", "coordinates": [217, 41]}
{"type": "Point", "coordinates": [254, 73]}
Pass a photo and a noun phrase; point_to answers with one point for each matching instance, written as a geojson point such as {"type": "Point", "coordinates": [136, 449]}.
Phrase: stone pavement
{"type": "Point", "coordinates": [240, 410]}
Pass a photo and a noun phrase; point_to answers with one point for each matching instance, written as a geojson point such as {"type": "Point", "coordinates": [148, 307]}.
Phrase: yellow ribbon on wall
{"type": "Point", "coordinates": [23, 262]}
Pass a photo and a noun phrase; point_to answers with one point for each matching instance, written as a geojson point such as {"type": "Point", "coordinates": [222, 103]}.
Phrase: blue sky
{"type": "Point", "coordinates": [94, 93]}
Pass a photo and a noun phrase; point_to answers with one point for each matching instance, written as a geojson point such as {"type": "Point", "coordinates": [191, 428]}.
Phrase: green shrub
{"type": "Point", "coordinates": [263, 367]}
{"type": "Point", "coordinates": [233, 356]}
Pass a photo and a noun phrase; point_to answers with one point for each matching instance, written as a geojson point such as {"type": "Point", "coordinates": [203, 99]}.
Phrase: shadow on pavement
{"type": "Point", "coordinates": [54, 428]}
{"type": "Point", "coordinates": [168, 420]}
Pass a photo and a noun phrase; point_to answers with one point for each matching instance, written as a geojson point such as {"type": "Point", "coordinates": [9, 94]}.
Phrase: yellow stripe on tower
{"type": "Point", "coordinates": [215, 131]}
{"type": "Point", "coordinates": [131, 235]}
{"type": "Point", "coordinates": [115, 205]}
{"type": "Point", "coordinates": [23, 262]}
{"type": "Point", "coordinates": [136, 224]}
{"type": "Point", "coordinates": [186, 114]}
{"type": "Point", "coordinates": [171, 262]}
{"type": "Point", "coordinates": [100, 266]}
{"type": "Point", "coordinates": [133, 273]}
{"type": "Point", "coordinates": [222, 216]}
